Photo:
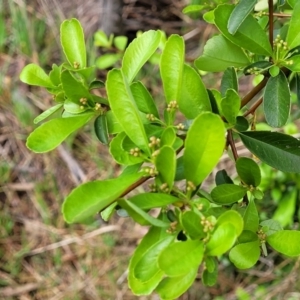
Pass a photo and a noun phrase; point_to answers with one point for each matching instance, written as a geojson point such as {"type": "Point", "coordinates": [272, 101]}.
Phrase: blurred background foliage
{"type": "Point", "coordinates": [41, 257]}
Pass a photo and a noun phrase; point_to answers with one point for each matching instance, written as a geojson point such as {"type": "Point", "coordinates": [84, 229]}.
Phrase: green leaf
{"type": "Point", "coordinates": [274, 71]}
{"type": "Point", "coordinates": [102, 40]}
{"type": "Point", "coordinates": [210, 278]}
{"type": "Point", "coordinates": [222, 177]}
{"type": "Point", "coordinates": [121, 42]}
{"type": "Point", "coordinates": [147, 267]}
{"type": "Point", "coordinates": [143, 99]}
{"type": "Point", "coordinates": [100, 126]}
{"type": "Point", "coordinates": [247, 236]}
{"type": "Point", "coordinates": [229, 81]}
{"type": "Point", "coordinates": [124, 108]}
{"type": "Point", "coordinates": [96, 84]}
{"type": "Point", "coordinates": [74, 108]}
{"type": "Point", "coordinates": [108, 60]}
{"type": "Point", "coordinates": [226, 194]}
{"type": "Point", "coordinates": [222, 239]}
{"type": "Point", "coordinates": [54, 74]}
{"type": "Point", "coordinates": [112, 123]}
{"type": "Point", "coordinates": [47, 113]}
{"type": "Point", "coordinates": [166, 165]}
{"type": "Point", "coordinates": [34, 75]}
{"type": "Point", "coordinates": [140, 216]}
{"type": "Point", "coordinates": [72, 41]}
{"type": "Point", "coordinates": [173, 287]}
{"type": "Point", "coordinates": [277, 100]}
{"type": "Point", "coordinates": [286, 242]}
{"type": "Point", "coordinates": [138, 52]}
{"type": "Point", "coordinates": [168, 137]}
{"type": "Point", "coordinates": [191, 223]}
{"type": "Point", "coordinates": [234, 218]}
{"type": "Point", "coordinates": [152, 200]}
{"type": "Point", "coordinates": [193, 98]}
{"type": "Point", "coordinates": [278, 150]}
{"type": "Point", "coordinates": [245, 256]}
{"type": "Point", "coordinates": [260, 67]}
{"type": "Point", "coordinates": [193, 8]}
{"type": "Point", "coordinates": [272, 225]}
{"type": "Point", "coordinates": [250, 217]}
{"type": "Point", "coordinates": [91, 197]}
{"type": "Point", "coordinates": [249, 35]}
{"type": "Point", "coordinates": [231, 106]}
{"type": "Point", "coordinates": [204, 146]}
{"type": "Point", "coordinates": [108, 212]}
{"type": "Point", "coordinates": [241, 123]}
{"type": "Point", "coordinates": [239, 14]}
{"type": "Point", "coordinates": [119, 154]}
{"type": "Point", "coordinates": [171, 67]}
{"type": "Point", "coordinates": [293, 35]}
{"type": "Point", "coordinates": [180, 258]}
{"type": "Point", "coordinates": [219, 54]}
{"type": "Point", "coordinates": [50, 134]}
{"type": "Point", "coordinates": [248, 170]}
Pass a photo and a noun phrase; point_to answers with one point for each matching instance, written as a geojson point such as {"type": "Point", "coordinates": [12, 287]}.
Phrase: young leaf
{"type": "Point", "coordinates": [204, 146]}
{"type": "Point", "coordinates": [100, 126]}
{"type": "Point", "coordinates": [108, 212]}
{"type": "Point", "coordinates": [191, 223]}
{"type": "Point", "coordinates": [47, 113]}
{"type": "Point", "coordinates": [107, 60]}
{"type": "Point", "coordinates": [34, 75]}
{"type": "Point", "coordinates": [226, 194]}
{"type": "Point", "coordinates": [272, 225]}
{"type": "Point", "coordinates": [234, 218]}
{"type": "Point", "coordinates": [193, 98]}
{"type": "Point", "coordinates": [250, 217]}
{"type": "Point", "coordinates": [143, 99]}
{"type": "Point", "coordinates": [245, 256]}
{"type": "Point", "coordinates": [249, 36]}
{"type": "Point", "coordinates": [180, 258]}
{"type": "Point", "coordinates": [173, 287]}
{"type": "Point", "coordinates": [72, 41]}
{"type": "Point", "coordinates": [168, 137]}
{"type": "Point", "coordinates": [171, 67]}
{"type": "Point", "coordinates": [231, 106]}
{"type": "Point", "coordinates": [125, 110]}
{"type": "Point", "coordinates": [121, 42]}
{"type": "Point", "coordinates": [219, 54]}
{"type": "Point", "coordinates": [239, 14]}
{"type": "Point", "coordinates": [286, 242]}
{"type": "Point", "coordinates": [229, 81]}
{"type": "Point", "coordinates": [248, 170]}
{"type": "Point", "coordinates": [269, 146]}
{"type": "Point", "coordinates": [293, 35]}
{"type": "Point", "coordinates": [277, 100]}
{"type": "Point", "coordinates": [222, 239]}
{"type": "Point", "coordinates": [151, 200]}
{"type": "Point", "coordinates": [50, 134]}
{"type": "Point", "coordinates": [210, 278]}
{"type": "Point", "coordinates": [138, 52]}
{"type": "Point", "coordinates": [54, 74]}
{"type": "Point", "coordinates": [166, 165]}
{"type": "Point", "coordinates": [91, 197]}
{"type": "Point", "coordinates": [113, 125]}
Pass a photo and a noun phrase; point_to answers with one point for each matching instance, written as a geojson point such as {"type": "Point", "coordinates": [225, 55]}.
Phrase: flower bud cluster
{"type": "Point", "coordinates": [151, 171]}
{"type": "Point", "coordinates": [97, 106]}
{"type": "Point", "coordinates": [136, 152]}
{"type": "Point", "coordinates": [83, 102]}
{"type": "Point", "coordinates": [154, 142]}
{"type": "Point", "coordinates": [172, 106]}
{"type": "Point", "coordinates": [180, 126]}
{"type": "Point", "coordinates": [208, 226]}
{"type": "Point", "coordinates": [150, 117]}
{"type": "Point", "coordinates": [164, 187]}
{"type": "Point", "coordinates": [190, 186]}
{"type": "Point", "coordinates": [76, 65]}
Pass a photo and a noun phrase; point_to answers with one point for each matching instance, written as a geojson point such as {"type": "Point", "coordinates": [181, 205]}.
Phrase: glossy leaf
{"type": "Point", "coordinates": [91, 197]}
{"type": "Point", "coordinates": [143, 99]}
{"type": "Point", "coordinates": [125, 110]}
{"type": "Point", "coordinates": [193, 8]}
{"type": "Point", "coordinates": [293, 64]}
{"type": "Point", "coordinates": [222, 177]}
{"type": "Point", "coordinates": [168, 137]}
{"type": "Point", "coordinates": [247, 236]}
{"type": "Point", "coordinates": [100, 126]}
{"type": "Point", "coordinates": [171, 67]}
{"type": "Point", "coordinates": [52, 133]}
{"type": "Point", "coordinates": [166, 165]}
{"type": "Point", "coordinates": [147, 267]}
{"type": "Point", "coordinates": [293, 35]}
{"type": "Point", "coordinates": [180, 258]}
{"type": "Point", "coordinates": [249, 35]}
{"type": "Point", "coordinates": [173, 287]}
{"type": "Point", "coordinates": [72, 41]}
{"type": "Point", "coordinates": [278, 150]}
{"type": "Point", "coordinates": [219, 54]}
{"type": "Point", "coordinates": [231, 106]}
{"type": "Point", "coordinates": [210, 278]}
{"type": "Point", "coordinates": [241, 123]}
{"type": "Point", "coordinates": [204, 146]}
{"type": "Point", "coordinates": [229, 81]}
{"type": "Point", "coordinates": [108, 60]}
{"type": "Point", "coordinates": [74, 108]}
{"type": "Point", "coordinates": [239, 14]}
{"type": "Point", "coordinates": [226, 194]}
{"type": "Point", "coordinates": [245, 256]}
{"type": "Point", "coordinates": [277, 100]}
{"type": "Point", "coordinates": [272, 226]}
{"type": "Point", "coordinates": [54, 74]}
{"type": "Point", "coordinates": [47, 113]}
{"type": "Point", "coordinates": [191, 223]}
{"type": "Point", "coordinates": [248, 170]}
{"type": "Point", "coordinates": [193, 98]}
{"type": "Point", "coordinates": [108, 212]}
{"type": "Point", "coordinates": [286, 242]}
{"type": "Point", "coordinates": [260, 67]}
{"type": "Point", "coordinates": [34, 75]}
{"type": "Point", "coordinates": [250, 217]}
{"type": "Point", "coordinates": [234, 218]}
{"type": "Point", "coordinates": [152, 200]}
{"type": "Point", "coordinates": [138, 52]}
{"type": "Point", "coordinates": [112, 123]}
{"type": "Point", "coordinates": [222, 239]}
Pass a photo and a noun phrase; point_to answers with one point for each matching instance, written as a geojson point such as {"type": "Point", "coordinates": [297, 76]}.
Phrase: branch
{"type": "Point", "coordinates": [253, 92]}
{"type": "Point", "coordinates": [231, 142]}
{"type": "Point", "coordinates": [254, 107]}
{"type": "Point", "coordinates": [271, 22]}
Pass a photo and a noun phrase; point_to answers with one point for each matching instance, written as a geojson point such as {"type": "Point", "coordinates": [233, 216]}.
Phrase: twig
{"type": "Point", "coordinates": [254, 107]}
{"type": "Point", "coordinates": [253, 92]}
{"type": "Point", "coordinates": [271, 24]}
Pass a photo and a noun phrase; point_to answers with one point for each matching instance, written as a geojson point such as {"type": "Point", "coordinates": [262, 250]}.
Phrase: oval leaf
{"type": "Point", "coordinates": [270, 146]}
{"type": "Point", "coordinates": [52, 133]}
{"type": "Point", "coordinates": [47, 113]}
{"type": "Point", "coordinates": [100, 126]}
{"type": "Point", "coordinates": [251, 219]}
{"type": "Point", "coordinates": [72, 41]}
{"type": "Point", "coordinates": [277, 100]}
{"type": "Point", "coordinates": [204, 146]}
{"type": "Point", "coordinates": [234, 218]}
{"type": "Point", "coordinates": [248, 170]}
{"type": "Point", "coordinates": [226, 194]}
{"type": "Point", "coordinates": [191, 223]}
{"type": "Point", "coordinates": [231, 106]}
{"type": "Point", "coordinates": [91, 197]}
{"type": "Point", "coordinates": [293, 34]}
